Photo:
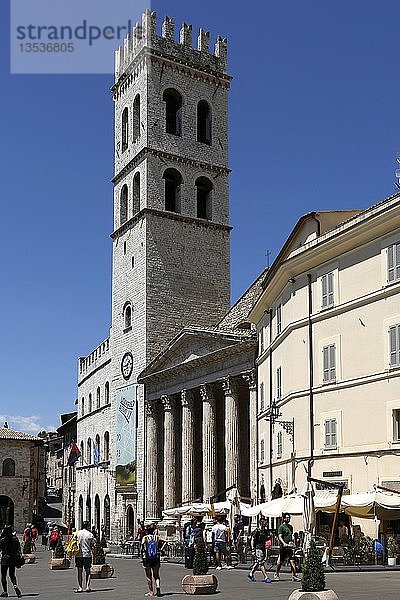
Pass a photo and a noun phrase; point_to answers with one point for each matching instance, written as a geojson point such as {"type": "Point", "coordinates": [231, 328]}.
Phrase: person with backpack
{"type": "Point", "coordinates": [54, 537]}
{"type": "Point", "coordinates": [10, 552]}
{"type": "Point", "coordinates": [152, 545]}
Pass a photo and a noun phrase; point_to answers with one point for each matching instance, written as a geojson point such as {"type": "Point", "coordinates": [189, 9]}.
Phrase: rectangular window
{"type": "Point", "coordinates": [328, 297]}
{"type": "Point", "coordinates": [262, 396]}
{"type": "Point", "coordinates": [396, 425]}
{"type": "Point", "coordinates": [278, 319]}
{"type": "Point", "coordinates": [329, 358]}
{"type": "Point", "coordinates": [279, 383]}
{"type": "Point", "coordinates": [331, 434]}
{"type": "Point", "coordinates": [393, 254]}
{"type": "Point", "coordinates": [394, 345]}
{"type": "Point", "coordinates": [279, 444]}
{"type": "Point", "coordinates": [261, 340]}
{"type": "Point", "coordinates": [262, 451]}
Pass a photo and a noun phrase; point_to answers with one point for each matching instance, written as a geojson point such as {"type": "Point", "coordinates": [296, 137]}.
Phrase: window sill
{"type": "Point", "coordinates": [127, 329]}
{"type": "Point", "coordinates": [330, 448]}
{"type": "Point", "coordinates": [329, 306]}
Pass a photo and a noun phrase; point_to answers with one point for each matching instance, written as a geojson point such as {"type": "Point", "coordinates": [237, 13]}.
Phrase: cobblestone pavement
{"type": "Point", "coordinates": [128, 584]}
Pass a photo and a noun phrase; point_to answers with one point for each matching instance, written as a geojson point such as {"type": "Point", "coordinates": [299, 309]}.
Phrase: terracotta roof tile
{"type": "Point", "coordinates": [11, 434]}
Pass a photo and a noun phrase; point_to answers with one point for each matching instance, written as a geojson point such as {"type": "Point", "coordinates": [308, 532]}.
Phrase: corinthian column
{"type": "Point", "coordinates": [209, 442]}
{"type": "Point", "coordinates": [250, 378]}
{"type": "Point", "coordinates": [231, 431]}
{"type": "Point", "coordinates": [169, 452]}
{"type": "Point", "coordinates": [151, 461]}
{"type": "Point", "coordinates": [188, 492]}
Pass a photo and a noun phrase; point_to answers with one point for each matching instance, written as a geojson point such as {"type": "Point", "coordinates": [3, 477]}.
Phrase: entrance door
{"type": "Point", "coordinates": [6, 511]}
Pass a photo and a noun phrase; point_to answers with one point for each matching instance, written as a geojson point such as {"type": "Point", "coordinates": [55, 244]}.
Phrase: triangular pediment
{"type": "Point", "coordinates": [189, 345]}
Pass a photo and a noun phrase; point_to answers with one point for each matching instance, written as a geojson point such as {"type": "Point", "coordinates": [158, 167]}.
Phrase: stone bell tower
{"type": "Point", "coordinates": [171, 235]}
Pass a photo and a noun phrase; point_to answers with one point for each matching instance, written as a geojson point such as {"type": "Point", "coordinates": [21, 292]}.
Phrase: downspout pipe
{"type": "Point", "coordinates": [311, 376]}
{"type": "Point", "coordinates": [271, 426]}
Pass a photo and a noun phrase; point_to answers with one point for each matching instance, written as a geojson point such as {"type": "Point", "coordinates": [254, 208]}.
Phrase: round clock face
{"type": "Point", "coordinates": [127, 365]}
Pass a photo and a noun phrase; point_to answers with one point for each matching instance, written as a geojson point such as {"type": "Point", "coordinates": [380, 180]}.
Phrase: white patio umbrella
{"type": "Point", "coordinates": [373, 504]}
{"type": "Point", "coordinates": [292, 504]}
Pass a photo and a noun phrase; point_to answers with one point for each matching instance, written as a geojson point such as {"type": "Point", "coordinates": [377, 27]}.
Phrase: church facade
{"type": "Point", "coordinates": [170, 281]}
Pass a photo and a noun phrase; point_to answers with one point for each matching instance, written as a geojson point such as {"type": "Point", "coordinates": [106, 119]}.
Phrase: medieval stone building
{"type": "Point", "coordinates": [170, 293]}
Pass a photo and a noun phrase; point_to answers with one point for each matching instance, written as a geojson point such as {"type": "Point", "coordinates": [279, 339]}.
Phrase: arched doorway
{"type": "Point", "coordinates": [97, 513]}
{"type": "Point", "coordinates": [88, 510]}
{"type": "Point", "coordinates": [107, 516]}
{"type": "Point", "coordinates": [80, 512]}
{"type": "Point", "coordinates": [130, 520]}
{"type": "Point", "coordinates": [6, 511]}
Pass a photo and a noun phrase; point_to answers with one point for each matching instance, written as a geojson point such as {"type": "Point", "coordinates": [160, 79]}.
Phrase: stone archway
{"type": "Point", "coordinates": [130, 520]}
{"type": "Point", "coordinates": [80, 512]}
{"type": "Point", "coordinates": [6, 511]}
{"type": "Point", "coordinates": [97, 513]}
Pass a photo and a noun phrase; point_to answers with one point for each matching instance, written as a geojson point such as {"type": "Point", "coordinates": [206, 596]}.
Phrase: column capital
{"type": "Point", "coordinates": [250, 378]}
{"type": "Point", "coordinates": [150, 408]}
{"type": "Point", "coordinates": [187, 398]}
{"type": "Point", "coordinates": [230, 386]}
{"type": "Point", "coordinates": [168, 403]}
{"type": "Point", "coordinates": [207, 392]}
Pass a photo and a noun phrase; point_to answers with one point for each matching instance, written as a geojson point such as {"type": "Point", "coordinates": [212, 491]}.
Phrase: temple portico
{"type": "Point", "coordinates": [198, 443]}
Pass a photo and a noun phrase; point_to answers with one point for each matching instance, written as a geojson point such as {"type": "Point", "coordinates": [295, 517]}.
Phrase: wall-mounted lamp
{"type": "Point", "coordinates": [291, 280]}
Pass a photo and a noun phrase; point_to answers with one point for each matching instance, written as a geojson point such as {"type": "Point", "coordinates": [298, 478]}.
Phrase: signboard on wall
{"type": "Point", "coordinates": [126, 427]}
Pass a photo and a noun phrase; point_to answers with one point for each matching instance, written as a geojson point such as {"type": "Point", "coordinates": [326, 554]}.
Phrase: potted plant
{"type": "Point", "coordinates": [392, 548]}
{"type": "Point", "coordinates": [200, 582]}
{"type": "Point", "coordinates": [59, 561]}
{"type": "Point", "coordinates": [100, 569]}
{"type": "Point", "coordinates": [313, 578]}
{"type": "Point", "coordinates": [29, 557]}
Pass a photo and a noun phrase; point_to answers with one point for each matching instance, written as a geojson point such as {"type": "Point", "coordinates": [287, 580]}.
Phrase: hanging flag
{"type": "Point", "coordinates": [95, 455]}
{"type": "Point", "coordinates": [73, 455]}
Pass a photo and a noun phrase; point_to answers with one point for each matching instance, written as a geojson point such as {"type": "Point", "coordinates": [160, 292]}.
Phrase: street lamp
{"type": "Point", "coordinates": [288, 426]}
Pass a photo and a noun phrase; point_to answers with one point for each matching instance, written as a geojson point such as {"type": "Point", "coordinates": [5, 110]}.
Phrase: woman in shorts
{"type": "Point", "coordinates": [151, 547]}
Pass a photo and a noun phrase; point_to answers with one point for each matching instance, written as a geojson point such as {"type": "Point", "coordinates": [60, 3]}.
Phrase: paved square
{"type": "Point", "coordinates": [129, 584]}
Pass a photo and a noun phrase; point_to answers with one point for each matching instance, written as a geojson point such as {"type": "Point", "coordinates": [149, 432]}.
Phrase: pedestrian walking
{"type": "Point", "coordinates": [53, 539]}
{"type": "Point", "coordinates": [238, 538]}
{"type": "Point", "coordinates": [259, 538]}
{"type": "Point", "coordinates": [35, 535]}
{"type": "Point", "coordinates": [286, 545]}
{"type": "Point", "coordinates": [10, 552]}
{"type": "Point", "coordinates": [83, 560]}
{"type": "Point", "coordinates": [219, 541]}
{"type": "Point", "coordinates": [151, 547]}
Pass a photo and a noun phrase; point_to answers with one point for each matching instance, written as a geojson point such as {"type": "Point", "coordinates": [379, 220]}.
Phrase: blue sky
{"type": "Point", "coordinates": [314, 125]}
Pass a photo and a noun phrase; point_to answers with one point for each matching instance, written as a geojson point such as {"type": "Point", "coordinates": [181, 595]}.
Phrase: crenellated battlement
{"type": "Point", "coordinates": [144, 35]}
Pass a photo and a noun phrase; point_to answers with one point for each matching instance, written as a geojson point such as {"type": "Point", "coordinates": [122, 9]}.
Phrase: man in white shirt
{"type": "Point", "coordinates": [83, 560]}
{"type": "Point", "coordinates": [219, 540]}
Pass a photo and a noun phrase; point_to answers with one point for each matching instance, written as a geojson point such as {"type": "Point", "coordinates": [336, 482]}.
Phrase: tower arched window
{"type": "Point", "coordinates": [89, 452]}
{"type": "Point", "coordinates": [172, 182]}
{"type": "Point", "coordinates": [8, 469]}
{"type": "Point", "coordinates": [173, 111]}
{"type": "Point", "coordinates": [204, 122]}
{"type": "Point", "coordinates": [136, 193]}
{"type": "Point", "coordinates": [83, 407]}
{"type": "Point", "coordinates": [136, 118]}
{"type": "Point", "coordinates": [123, 205]}
{"type": "Point", "coordinates": [203, 197]}
{"type": "Point", "coordinates": [82, 453]}
{"type": "Point", "coordinates": [106, 446]}
{"type": "Point", "coordinates": [125, 129]}
{"type": "Point", "coordinates": [98, 398]}
{"type": "Point", "coordinates": [98, 445]}
{"type": "Point", "coordinates": [107, 393]}
{"type": "Point", "coordinates": [89, 403]}
{"type": "Point", "coordinates": [127, 316]}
